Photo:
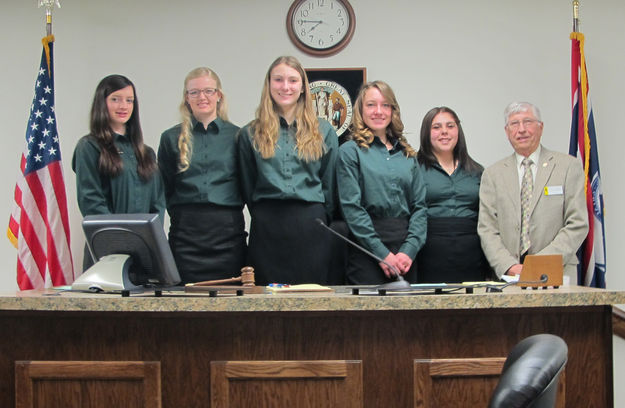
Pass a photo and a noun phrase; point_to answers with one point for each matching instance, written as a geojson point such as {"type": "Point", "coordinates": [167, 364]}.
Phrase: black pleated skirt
{"type": "Point", "coordinates": [452, 252]}
{"type": "Point", "coordinates": [207, 241]}
{"type": "Point", "coordinates": [286, 244]}
{"type": "Point", "coordinates": [362, 269]}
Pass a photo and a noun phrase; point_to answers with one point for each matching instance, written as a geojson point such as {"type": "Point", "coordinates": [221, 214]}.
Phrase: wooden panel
{"type": "Point", "coordinates": [618, 322]}
{"type": "Point", "coordinates": [94, 384]}
{"type": "Point", "coordinates": [451, 383]}
{"type": "Point", "coordinates": [276, 384]}
{"type": "Point", "coordinates": [387, 343]}
{"type": "Point", "coordinates": [462, 382]}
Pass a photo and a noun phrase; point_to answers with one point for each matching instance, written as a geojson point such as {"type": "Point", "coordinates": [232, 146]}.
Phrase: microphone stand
{"type": "Point", "coordinates": [399, 283]}
{"type": "Point", "coordinates": [543, 279]}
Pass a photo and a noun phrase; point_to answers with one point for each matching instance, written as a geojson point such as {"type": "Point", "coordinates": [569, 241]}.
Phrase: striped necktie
{"type": "Point", "coordinates": [527, 187]}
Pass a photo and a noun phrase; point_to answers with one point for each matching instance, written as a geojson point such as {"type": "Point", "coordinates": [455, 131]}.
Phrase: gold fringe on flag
{"type": "Point", "coordinates": [584, 99]}
{"type": "Point", "coordinates": [46, 46]}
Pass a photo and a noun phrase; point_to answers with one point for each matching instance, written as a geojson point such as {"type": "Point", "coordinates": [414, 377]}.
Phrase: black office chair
{"type": "Point", "coordinates": [531, 373]}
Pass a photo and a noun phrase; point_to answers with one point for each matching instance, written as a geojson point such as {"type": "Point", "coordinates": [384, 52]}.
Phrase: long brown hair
{"type": "Point", "coordinates": [110, 162]}
{"type": "Point", "coordinates": [363, 136]}
{"type": "Point", "coordinates": [265, 127]}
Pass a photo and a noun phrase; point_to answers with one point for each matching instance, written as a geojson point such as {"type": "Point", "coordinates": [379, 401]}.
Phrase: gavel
{"type": "Point", "coordinates": [246, 279]}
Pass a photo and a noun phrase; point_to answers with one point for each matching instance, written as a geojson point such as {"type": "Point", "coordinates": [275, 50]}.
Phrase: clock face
{"type": "Point", "coordinates": [332, 103]}
{"type": "Point", "coordinates": [321, 27]}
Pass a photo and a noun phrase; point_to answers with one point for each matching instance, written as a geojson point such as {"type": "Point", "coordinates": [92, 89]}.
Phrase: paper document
{"type": "Point", "coordinates": [510, 278]}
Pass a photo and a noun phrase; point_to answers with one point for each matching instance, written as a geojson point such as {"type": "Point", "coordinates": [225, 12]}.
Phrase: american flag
{"type": "Point", "coordinates": [39, 224]}
{"type": "Point", "coordinates": [583, 144]}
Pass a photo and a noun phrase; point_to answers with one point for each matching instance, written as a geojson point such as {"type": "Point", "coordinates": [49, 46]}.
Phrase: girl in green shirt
{"type": "Point", "coordinates": [115, 171]}
{"type": "Point", "coordinates": [452, 252]}
{"type": "Point", "coordinates": [381, 190]}
{"type": "Point", "coordinates": [287, 158]}
{"type": "Point", "coordinates": [198, 162]}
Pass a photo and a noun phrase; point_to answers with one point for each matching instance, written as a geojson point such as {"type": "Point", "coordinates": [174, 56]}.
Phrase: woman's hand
{"type": "Point", "coordinates": [391, 259]}
{"type": "Point", "coordinates": [404, 262]}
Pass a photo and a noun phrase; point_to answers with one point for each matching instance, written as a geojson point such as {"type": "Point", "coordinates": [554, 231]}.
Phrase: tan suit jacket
{"type": "Point", "coordinates": [558, 223]}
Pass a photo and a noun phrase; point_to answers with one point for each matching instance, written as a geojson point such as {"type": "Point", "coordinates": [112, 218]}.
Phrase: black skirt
{"type": "Point", "coordinates": [286, 244]}
{"type": "Point", "coordinates": [452, 252]}
{"type": "Point", "coordinates": [207, 241]}
{"type": "Point", "coordinates": [362, 269]}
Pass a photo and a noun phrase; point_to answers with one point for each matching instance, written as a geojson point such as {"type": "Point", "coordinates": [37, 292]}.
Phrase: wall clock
{"type": "Point", "coordinates": [321, 27]}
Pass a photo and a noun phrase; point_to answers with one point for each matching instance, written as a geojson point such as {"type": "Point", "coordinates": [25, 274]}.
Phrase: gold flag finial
{"type": "Point", "coordinates": [49, 5]}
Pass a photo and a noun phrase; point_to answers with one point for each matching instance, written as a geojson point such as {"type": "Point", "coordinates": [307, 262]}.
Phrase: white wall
{"type": "Point", "coordinates": [474, 56]}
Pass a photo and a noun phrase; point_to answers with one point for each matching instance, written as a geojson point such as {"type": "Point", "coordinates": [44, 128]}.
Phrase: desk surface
{"type": "Point", "coordinates": [342, 300]}
{"type": "Point", "coordinates": [385, 333]}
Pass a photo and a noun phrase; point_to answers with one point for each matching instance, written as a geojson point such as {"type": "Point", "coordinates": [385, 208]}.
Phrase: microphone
{"type": "Point", "coordinates": [371, 254]}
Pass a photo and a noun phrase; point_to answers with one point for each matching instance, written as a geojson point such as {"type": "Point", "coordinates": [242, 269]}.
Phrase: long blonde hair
{"type": "Point", "coordinates": [185, 141]}
{"type": "Point", "coordinates": [363, 136]}
{"type": "Point", "coordinates": [265, 128]}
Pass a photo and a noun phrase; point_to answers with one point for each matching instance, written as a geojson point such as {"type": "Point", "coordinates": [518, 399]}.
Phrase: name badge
{"type": "Point", "coordinates": [554, 190]}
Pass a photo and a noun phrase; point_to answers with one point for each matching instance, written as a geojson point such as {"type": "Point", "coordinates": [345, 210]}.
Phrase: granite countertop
{"type": "Point", "coordinates": [341, 300]}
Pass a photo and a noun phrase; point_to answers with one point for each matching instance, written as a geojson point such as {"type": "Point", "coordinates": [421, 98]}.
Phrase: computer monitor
{"type": "Point", "coordinates": [130, 252]}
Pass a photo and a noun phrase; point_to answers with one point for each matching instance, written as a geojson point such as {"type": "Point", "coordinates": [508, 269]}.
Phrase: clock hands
{"type": "Point", "coordinates": [315, 26]}
{"type": "Point", "coordinates": [317, 23]}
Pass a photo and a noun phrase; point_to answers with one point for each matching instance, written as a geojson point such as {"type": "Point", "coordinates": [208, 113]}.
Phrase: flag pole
{"type": "Point", "coordinates": [49, 5]}
{"type": "Point", "coordinates": [49, 38]}
{"type": "Point", "coordinates": [576, 16]}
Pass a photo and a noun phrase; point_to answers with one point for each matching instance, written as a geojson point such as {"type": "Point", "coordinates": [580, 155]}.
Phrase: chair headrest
{"type": "Point", "coordinates": [529, 370]}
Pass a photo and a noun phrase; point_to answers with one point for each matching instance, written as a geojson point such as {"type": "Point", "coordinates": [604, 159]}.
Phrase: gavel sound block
{"type": "Point", "coordinates": [246, 280]}
{"type": "Point", "coordinates": [536, 265]}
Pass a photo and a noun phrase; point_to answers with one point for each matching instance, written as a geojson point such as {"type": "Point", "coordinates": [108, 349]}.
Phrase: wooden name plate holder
{"type": "Point", "coordinates": [535, 266]}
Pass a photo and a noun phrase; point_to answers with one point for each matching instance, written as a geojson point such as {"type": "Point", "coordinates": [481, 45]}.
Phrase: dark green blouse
{"type": "Point", "coordinates": [212, 176]}
{"type": "Point", "coordinates": [455, 195]}
{"type": "Point", "coordinates": [125, 193]}
{"type": "Point", "coordinates": [285, 176]}
{"type": "Point", "coordinates": [381, 183]}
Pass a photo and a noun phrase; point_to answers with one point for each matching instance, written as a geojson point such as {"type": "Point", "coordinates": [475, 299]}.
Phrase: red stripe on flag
{"type": "Point", "coordinates": [56, 175]}
{"type": "Point", "coordinates": [29, 238]}
{"type": "Point", "coordinates": [23, 281]}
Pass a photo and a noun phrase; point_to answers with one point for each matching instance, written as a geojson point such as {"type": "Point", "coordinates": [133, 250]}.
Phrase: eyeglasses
{"type": "Point", "coordinates": [195, 93]}
{"type": "Point", "coordinates": [526, 123]}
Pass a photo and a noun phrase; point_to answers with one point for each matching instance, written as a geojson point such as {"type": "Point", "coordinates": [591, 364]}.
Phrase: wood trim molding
{"type": "Point", "coordinates": [618, 322]}
{"type": "Point", "coordinates": [428, 372]}
{"type": "Point", "coordinates": [31, 377]}
{"type": "Point", "coordinates": [346, 373]}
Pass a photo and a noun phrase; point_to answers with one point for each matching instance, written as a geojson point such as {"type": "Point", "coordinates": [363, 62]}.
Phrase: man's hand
{"type": "Point", "coordinates": [515, 269]}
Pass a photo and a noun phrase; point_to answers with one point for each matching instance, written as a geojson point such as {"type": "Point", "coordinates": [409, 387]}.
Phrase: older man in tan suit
{"type": "Point", "coordinates": [531, 202]}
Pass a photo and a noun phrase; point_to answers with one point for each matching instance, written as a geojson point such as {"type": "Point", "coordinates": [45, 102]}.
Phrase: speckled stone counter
{"type": "Point", "coordinates": [186, 333]}
{"type": "Point", "coordinates": [341, 300]}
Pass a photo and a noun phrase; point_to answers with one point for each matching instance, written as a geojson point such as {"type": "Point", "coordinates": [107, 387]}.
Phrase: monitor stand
{"type": "Point", "coordinates": [109, 274]}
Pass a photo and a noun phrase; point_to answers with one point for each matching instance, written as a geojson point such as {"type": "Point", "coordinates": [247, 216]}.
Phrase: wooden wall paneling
{"type": "Point", "coordinates": [451, 383]}
{"type": "Point", "coordinates": [94, 384]}
{"type": "Point", "coordinates": [277, 384]}
{"type": "Point", "coordinates": [387, 343]}
{"type": "Point", "coordinates": [618, 322]}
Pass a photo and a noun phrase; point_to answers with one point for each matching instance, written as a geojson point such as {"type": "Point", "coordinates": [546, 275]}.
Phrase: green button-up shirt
{"type": "Point", "coordinates": [285, 176]}
{"type": "Point", "coordinates": [212, 176]}
{"type": "Point", "coordinates": [455, 195]}
{"type": "Point", "coordinates": [125, 193]}
{"type": "Point", "coordinates": [378, 183]}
